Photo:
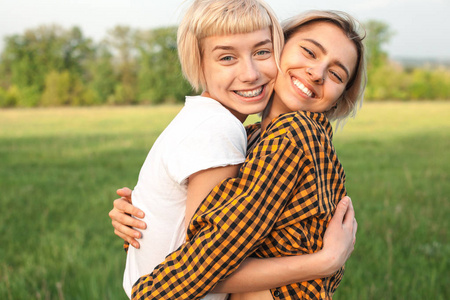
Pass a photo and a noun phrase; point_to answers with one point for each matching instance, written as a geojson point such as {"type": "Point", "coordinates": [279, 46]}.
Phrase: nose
{"type": "Point", "coordinates": [316, 74]}
{"type": "Point", "coordinates": [249, 71]}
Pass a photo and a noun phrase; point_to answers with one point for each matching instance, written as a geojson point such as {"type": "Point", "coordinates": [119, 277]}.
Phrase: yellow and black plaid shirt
{"type": "Point", "coordinates": [280, 203]}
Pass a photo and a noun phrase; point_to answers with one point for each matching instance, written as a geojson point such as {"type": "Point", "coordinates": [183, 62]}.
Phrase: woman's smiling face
{"type": "Point", "coordinates": [316, 64]}
{"type": "Point", "coordinates": [240, 71]}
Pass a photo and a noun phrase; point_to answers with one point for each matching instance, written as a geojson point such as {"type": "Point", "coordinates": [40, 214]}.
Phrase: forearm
{"type": "Point", "coordinates": [256, 274]}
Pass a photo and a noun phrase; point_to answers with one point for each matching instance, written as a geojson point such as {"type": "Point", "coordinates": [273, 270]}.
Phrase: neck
{"type": "Point", "coordinates": [272, 111]}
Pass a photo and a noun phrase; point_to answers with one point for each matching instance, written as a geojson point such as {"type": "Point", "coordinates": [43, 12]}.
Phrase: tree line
{"type": "Point", "coordinates": [388, 80]}
{"type": "Point", "coordinates": [53, 66]}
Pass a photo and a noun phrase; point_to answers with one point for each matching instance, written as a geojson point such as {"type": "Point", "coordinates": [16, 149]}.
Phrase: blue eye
{"type": "Point", "coordinates": [227, 58]}
{"type": "Point", "coordinates": [262, 52]}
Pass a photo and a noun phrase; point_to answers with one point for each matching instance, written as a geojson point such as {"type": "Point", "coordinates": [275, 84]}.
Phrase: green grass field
{"type": "Point", "coordinates": [59, 169]}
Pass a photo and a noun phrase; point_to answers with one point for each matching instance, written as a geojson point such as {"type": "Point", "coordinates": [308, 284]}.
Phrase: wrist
{"type": "Point", "coordinates": [310, 266]}
{"type": "Point", "coordinates": [327, 263]}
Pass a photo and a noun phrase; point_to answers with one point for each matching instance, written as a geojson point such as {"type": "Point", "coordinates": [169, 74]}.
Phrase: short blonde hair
{"type": "Point", "coordinates": [206, 18]}
{"type": "Point", "coordinates": [347, 105]}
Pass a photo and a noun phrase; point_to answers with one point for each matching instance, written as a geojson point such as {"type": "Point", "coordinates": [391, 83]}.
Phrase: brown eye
{"type": "Point", "coordinates": [336, 75]}
{"type": "Point", "coordinates": [310, 53]}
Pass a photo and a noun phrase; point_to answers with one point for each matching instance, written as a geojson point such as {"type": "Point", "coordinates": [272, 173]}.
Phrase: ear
{"type": "Point", "coordinates": [334, 106]}
{"type": "Point", "coordinates": [339, 100]}
{"type": "Point", "coordinates": [331, 111]}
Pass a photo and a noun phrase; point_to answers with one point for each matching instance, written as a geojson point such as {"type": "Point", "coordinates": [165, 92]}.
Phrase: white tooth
{"type": "Point", "coordinates": [249, 94]}
{"type": "Point", "coordinates": [303, 88]}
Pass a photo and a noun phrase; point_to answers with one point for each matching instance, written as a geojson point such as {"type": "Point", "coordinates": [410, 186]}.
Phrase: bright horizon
{"type": "Point", "coordinates": [421, 28]}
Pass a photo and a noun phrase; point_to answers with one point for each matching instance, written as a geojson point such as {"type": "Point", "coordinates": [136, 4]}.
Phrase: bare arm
{"type": "Point", "coordinates": [201, 183]}
{"type": "Point", "coordinates": [261, 274]}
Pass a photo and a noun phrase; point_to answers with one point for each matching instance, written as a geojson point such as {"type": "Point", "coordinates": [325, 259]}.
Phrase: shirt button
{"type": "Point", "coordinates": [276, 293]}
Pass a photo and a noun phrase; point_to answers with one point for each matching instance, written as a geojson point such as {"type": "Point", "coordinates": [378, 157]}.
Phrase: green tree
{"type": "Point", "coordinates": [57, 89]}
{"type": "Point", "coordinates": [13, 96]}
{"type": "Point", "coordinates": [440, 83]}
{"type": "Point", "coordinates": [6, 100]}
{"type": "Point", "coordinates": [429, 83]}
{"type": "Point", "coordinates": [102, 77]}
{"type": "Point", "coordinates": [65, 89]}
{"type": "Point", "coordinates": [159, 75]}
{"type": "Point", "coordinates": [77, 50]}
{"type": "Point", "coordinates": [378, 35]}
{"type": "Point", "coordinates": [121, 39]}
{"type": "Point", "coordinates": [28, 58]}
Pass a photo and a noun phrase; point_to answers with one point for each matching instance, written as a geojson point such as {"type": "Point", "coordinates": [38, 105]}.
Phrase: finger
{"type": "Point", "coordinates": [352, 208]}
{"type": "Point", "coordinates": [349, 214]}
{"type": "Point", "coordinates": [134, 211]}
{"type": "Point", "coordinates": [124, 192]}
{"type": "Point", "coordinates": [341, 210]}
{"type": "Point", "coordinates": [123, 205]}
{"type": "Point", "coordinates": [131, 233]}
{"type": "Point", "coordinates": [128, 239]}
{"type": "Point", "coordinates": [126, 220]}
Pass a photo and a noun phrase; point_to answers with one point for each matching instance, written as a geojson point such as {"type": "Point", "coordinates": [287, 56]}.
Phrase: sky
{"type": "Point", "coordinates": [421, 27]}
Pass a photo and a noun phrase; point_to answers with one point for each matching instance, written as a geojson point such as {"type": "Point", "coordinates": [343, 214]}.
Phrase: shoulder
{"type": "Point", "coordinates": [302, 118]}
{"type": "Point", "coordinates": [253, 130]}
{"type": "Point", "coordinates": [299, 125]}
{"type": "Point", "coordinates": [209, 116]}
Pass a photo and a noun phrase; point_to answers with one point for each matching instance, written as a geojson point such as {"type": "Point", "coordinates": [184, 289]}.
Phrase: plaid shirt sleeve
{"type": "Point", "coordinates": [239, 214]}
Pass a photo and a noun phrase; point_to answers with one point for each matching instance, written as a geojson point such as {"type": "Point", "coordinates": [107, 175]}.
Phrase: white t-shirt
{"type": "Point", "coordinates": [203, 135]}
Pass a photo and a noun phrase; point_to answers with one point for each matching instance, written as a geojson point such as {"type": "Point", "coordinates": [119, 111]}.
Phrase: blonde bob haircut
{"type": "Point", "coordinates": [351, 99]}
{"type": "Point", "coordinates": [206, 18]}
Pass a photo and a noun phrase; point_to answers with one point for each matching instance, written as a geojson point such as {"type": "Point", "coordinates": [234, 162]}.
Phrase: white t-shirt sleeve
{"type": "Point", "coordinates": [218, 141]}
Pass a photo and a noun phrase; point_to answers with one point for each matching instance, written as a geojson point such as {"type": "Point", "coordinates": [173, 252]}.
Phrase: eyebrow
{"type": "Point", "coordinates": [262, 43]}
{"type": "Point", "coordinates": [338, 63]}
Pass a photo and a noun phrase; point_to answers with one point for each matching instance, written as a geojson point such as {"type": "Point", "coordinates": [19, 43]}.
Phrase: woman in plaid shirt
{"type": "Point", "coordinates": [289, 186]}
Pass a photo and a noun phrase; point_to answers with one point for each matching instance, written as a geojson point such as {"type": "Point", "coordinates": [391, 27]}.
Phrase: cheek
{"type": "Point", "coordinates": [335, 99]}
{"type": "Point", "coordinates": [213, 83]}
{"type": "Point", "coordinates": [268, 68]}
{"type": "Point", "coordinates": [284, 78]}
{"type": "Point", "coordinates": [273, 72]}
{"type": "Point", "coordinates": [340, 91]}
{"type": "Point", "coordinates": [219, 76]}
{"type": "Point", "coordinates": [335, 93]}
{"type": "Point", "coordinates": [292, 58]}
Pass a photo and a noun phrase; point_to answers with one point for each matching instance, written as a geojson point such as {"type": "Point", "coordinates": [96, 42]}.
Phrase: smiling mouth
{"type": "Point", "coordinates": [302, 88]}
{"type": "Point", "coordinates": [251, 93]}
